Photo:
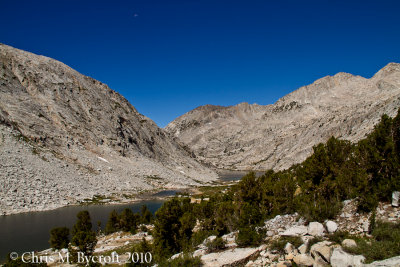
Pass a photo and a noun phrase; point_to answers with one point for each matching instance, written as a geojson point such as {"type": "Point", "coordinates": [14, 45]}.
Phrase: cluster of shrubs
{"type": "Point", "coordinates": [127, 220]}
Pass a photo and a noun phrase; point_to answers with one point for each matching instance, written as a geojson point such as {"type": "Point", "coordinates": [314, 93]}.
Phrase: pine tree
{"type": "Point", "coordinates": [82, 235]}
{"type": "Point", "coordinates": [146, 215]}
{"type": "Point", "coordinates": [112, 223]}
{"type": "Point", "coordinates": [59, 237]}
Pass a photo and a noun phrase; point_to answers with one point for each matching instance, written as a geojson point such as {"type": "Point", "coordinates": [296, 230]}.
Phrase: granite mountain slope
{"type": "Point", "coordinates": [256, 137]}
{"type": "Point", "coordinates": [59, 126]}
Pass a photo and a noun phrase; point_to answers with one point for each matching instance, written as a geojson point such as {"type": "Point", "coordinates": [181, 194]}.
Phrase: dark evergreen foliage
{"type": "Point", "coordinates": [83, 237]}
{"type": "Point", "coordinates": [59, 237]}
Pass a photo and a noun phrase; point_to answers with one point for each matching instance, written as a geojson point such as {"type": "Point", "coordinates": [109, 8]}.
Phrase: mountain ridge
{"type": "Point", "coordinates": [252, 136]}
{"type": "Point", "coordinates": [72, 119]}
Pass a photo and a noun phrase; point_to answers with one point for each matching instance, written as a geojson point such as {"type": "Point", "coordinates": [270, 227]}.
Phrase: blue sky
{"type": "Point", "coordinates": [168, 57]}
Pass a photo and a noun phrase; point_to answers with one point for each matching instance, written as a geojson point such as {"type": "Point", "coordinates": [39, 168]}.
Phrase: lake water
{"type": "Point", "coordinates": [231, 176]}
{"type": "Point", "coordinates": [30, 231]}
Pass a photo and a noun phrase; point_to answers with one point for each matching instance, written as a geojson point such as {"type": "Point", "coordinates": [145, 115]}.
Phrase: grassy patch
{"type": "Point", "coordinates": [97, 199]}
{"type": "Point", "coordinates": [339, 236]}
{"type": "Point", "coordinates": [384, 244]}
{"type": "Point", "coordinates": [208, 191]}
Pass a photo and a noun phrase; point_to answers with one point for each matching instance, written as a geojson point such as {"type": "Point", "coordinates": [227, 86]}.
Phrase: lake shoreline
{"type": "Point", "coordinates": [225, 176]}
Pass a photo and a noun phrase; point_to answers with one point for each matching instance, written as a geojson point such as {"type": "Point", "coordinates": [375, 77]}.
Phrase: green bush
{"type": "Point", "coordinates": [250, 236]}
{"type": "Point", "coordinates": [215, 245]}
{"type": "Point", "coordinates": [339, 236]}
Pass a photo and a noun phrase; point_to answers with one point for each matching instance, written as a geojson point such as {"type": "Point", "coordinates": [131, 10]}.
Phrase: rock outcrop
{"type": "Point", "coordinates": [66, 137]}
{"type": "Point", "coordinates": [256, 137]}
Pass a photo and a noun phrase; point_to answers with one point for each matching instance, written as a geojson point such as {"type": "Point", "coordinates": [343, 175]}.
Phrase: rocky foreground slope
{"type": "Point", "coordinates": [256, 137]}
{"type": "Point", "coordinates": [300, 243]}
{"type": "Point", "coordinates": [65, 137]}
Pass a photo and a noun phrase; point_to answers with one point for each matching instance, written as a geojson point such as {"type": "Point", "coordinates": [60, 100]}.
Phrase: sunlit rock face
{"type": "Point", "coordinates": [65, 137]}
{"type": "Point", "coordinates": [256, 137]}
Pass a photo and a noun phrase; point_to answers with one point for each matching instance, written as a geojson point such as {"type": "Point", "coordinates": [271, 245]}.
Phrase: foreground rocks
{"type": "Point", "coordinates": [231, 257]}
{"type": "Point", "coordinates": [322, 252]}
{"type": "Point", "coordinates": [341, 258]}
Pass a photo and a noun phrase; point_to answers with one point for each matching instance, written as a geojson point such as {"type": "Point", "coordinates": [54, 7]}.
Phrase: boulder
{"type": "Point", "coordinates": [289, 248]}
{"type": "Point", "coordinates": [289, 257]}
{"type": "Point", "coordinates": [350, 243]}
{"type": "Point", "coordinates": [283, 264]}
{"type": "Point", "coordinates": [331, 226]}
{"type": "Point", "coordinates": [340, 258]}
{"type": "Point", "coordinates": [232, 257]}
{"type": "Point", "coordinates": [303, 249]}
{"type": "Point", "coordinates": [315, 229]}
{"type": "Point", "coordinates": [303, 259]}
{"type": "Point", "coordinates": [295, 231]}
{"type": "Point", "coordinates": [395, 261]}
{"type": "Point", "coordinates": [322, 250]}
{"type": "Point", "coordinates": [395, 198]}
{"type": "Point", "coordinates": [272, 256]}
{"type": "Point", "coordinates": [199, 252]}
{"type": "Point", "coordinates": [230, 240]}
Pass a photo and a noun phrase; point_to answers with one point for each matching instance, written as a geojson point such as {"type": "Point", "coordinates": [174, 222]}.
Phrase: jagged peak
{"type": "Point", "coordinates": [340, 76]}
{"type": "Point", "coordinates": [208, 107]}
{"type": "Point", "coordinates": [322, 84]}
{"type": "Point", "coordinates": [387, 70]}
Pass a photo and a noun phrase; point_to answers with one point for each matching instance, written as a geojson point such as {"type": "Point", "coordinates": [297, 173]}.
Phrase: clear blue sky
{"type": "Point", "coordinates": [173, 56]}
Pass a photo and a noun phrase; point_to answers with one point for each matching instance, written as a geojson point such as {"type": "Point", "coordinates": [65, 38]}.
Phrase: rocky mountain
{"type": "Point", "coordinates": [65, 137]}
{"type": "Point", "coordinates": [257, 137]}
